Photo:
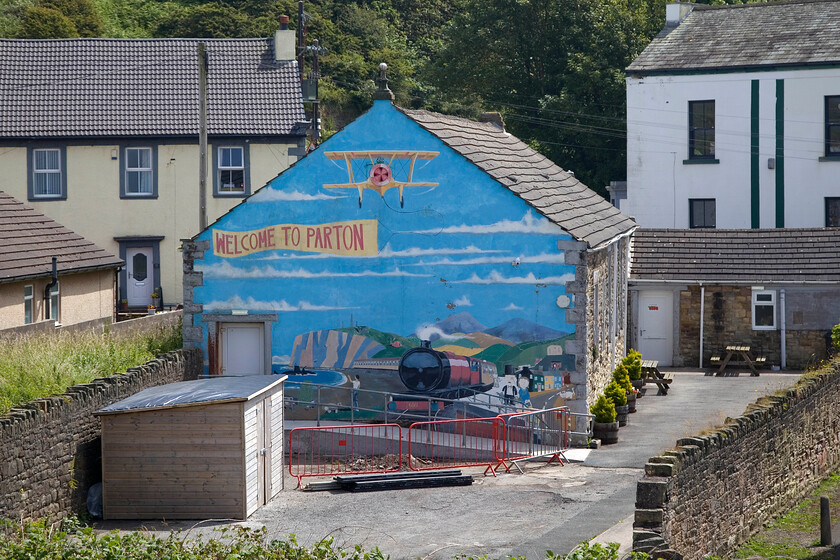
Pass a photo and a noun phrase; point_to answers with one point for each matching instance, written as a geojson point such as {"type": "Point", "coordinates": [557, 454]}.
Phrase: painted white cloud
{"type": "Point", "coordinates": [463, 301]}
{"type": "Point", "coordinates": [528, 224]}
{"type": "Point", "coordinates": [542, 258]}
{"type": "Point", "coordinates": [388, 252]}
{"type": "Point", "coordinates": [512, 307]}
{"type": "Point", "coordinates": [226, 270]}
{"type": "Point", "coordinates": [276, 195]}
{"type": "Point", "coordinates": [281, 360]}
{"type": "Point", "coordinates": [418, 252]}
{"type": "Point", "coordinates": [426, 332]}
{"type": "Point", "coordinates": [281, 306]}
{"type": "Point", "coordinates": [495, 277]}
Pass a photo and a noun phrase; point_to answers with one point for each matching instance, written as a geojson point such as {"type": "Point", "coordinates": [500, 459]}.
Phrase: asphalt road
{"type": "Point", "coordinates": [550, 507]}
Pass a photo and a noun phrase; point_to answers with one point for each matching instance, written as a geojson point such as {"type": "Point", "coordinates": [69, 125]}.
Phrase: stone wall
{"type": "Point", "coordinates": [50, 448]}
{"type": "Point", "coordinates": [718, 489]}
{"type": "Point", "coordinates": [728, 320]}
{"type": "Point", "coordinates": [140, 325]}
{"type": "Point", "coordinates": [192, 333]}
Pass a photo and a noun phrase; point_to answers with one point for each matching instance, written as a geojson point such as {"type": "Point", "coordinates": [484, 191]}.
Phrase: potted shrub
{"type": "Point", "coordinates": [618, 395]}
{"type": "Point", "coordinates": [633, 362]}
{"type": "Point", "coordinates": [621, 376]}
{"type": "Point", "coordinates": [605, 427]}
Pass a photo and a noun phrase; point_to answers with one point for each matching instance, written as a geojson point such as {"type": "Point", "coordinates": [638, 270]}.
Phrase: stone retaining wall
{"type": "Point", "coordinates": [50, 448]}
{"type": "Point", "coordinates": [716, 490]}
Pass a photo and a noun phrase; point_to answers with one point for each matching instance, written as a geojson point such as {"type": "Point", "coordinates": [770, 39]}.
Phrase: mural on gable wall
{"type": "Point", "coordinates": [385, 238]}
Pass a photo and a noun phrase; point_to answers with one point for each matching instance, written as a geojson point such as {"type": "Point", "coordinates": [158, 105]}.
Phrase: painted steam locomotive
{"type": "Point", "coordinates": [444, 374]}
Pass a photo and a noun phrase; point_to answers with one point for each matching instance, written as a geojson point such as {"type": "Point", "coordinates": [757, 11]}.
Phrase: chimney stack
{"type": "Point", "coordinates": [284, 42]}
{"type": "Point", "coordinates": [675, 12]}
{"type": "Point", "coordinates": [493, 118]}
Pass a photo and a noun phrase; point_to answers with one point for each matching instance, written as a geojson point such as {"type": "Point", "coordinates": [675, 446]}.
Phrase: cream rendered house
{"type": "Point", "coordinates": [79, 287]}
{"type": "Point", "coordinates": [102, 135]}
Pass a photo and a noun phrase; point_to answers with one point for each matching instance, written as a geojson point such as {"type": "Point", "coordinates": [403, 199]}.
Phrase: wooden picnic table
{"type": "Point", "coordinates": [652, 376]}
{"type": "Point", "coordinates": [742, 357]}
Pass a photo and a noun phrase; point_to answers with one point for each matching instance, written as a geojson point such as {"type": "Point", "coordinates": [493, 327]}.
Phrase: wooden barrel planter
{"type": "Point", "coordinates": [631, 401]}
{"type": "Point", "coordinates": [621, 414]}
{"type": "Point", "coordinates": [639, 385]}
{"type": "Point", "coordinates": [607, 432]}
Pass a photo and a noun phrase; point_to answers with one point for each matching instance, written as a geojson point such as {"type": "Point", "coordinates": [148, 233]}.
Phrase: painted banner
{"type": "Point", "coordinates": [356, 238]}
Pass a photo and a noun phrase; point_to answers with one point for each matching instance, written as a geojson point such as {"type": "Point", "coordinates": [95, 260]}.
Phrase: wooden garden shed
{"type": "Point", "coordinates": [210, 448]}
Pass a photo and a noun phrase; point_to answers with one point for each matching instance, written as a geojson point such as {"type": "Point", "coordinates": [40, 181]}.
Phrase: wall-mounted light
{"type": "Point", "coordinates": [239, 312]}
{"type": "Point", "coordinates": [114, 153]}
{"type": "Point", "coordinates": [771, 163]}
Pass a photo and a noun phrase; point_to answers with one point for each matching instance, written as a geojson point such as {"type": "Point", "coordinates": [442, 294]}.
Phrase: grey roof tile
{"type": "Point", "coordinates": [130, 87]}
{"type": "Point", "coordinates": [722, 256]}
{"type": "Point", "coordinates": [735, 36]}
{"type": "Point", "coordinates": [30, 240]}
{"type": "Point", "coordinates": [553, 192]}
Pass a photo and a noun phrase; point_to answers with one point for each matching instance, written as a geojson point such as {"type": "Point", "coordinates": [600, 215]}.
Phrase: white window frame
{"type": "Point", "coordinates": [28, 304]}
{"type": "Point", "coordinates": [55, 303]}
{"type": "Point", "coordinates": [222, 189]}
{"type": "Point", "coordinates": [763, 303]}
{"type": "Point", "coordinates": [46, 171]}
{"type": "Point", "coordinates": [140, 170]}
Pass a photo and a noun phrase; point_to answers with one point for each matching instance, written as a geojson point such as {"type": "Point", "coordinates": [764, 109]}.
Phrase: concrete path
{"type": "Point", "coordinates": [548, 508]}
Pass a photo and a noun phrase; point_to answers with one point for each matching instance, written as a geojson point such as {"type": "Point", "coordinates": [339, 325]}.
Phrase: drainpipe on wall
{"type": "Point", "coordinates": [614, 305]}
{"type": "Point", "coordinates": [50, 286]}
{"type": "Point", "coordinates": [784, 330]}
{"type": "Point", "coordinates": [702, 310]}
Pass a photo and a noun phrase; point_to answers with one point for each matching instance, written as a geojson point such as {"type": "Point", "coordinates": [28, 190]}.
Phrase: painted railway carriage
{"type": "Point", "coordinates": [405, 227]}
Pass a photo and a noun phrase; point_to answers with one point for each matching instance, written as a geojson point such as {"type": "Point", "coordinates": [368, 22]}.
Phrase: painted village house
{"type": "Point", "coordinates": [410, 226]}
{"type": "Point", "coordinates": [695, 292]}
{"type": "Point", "coordinates": [102, 135]}
{"type": "Point", "coordinates": [80, 288]}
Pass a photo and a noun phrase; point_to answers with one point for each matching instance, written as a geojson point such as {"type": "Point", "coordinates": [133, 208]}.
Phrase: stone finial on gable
{"type": "Point", "coordinates": [383, 93]}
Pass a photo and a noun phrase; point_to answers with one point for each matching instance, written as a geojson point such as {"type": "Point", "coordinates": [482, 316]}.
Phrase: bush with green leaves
{"type": "Point", "coordinates": [616, 393]}
{"type": "Point", "coordinates": [835, 337]}
{"type": "Point", "coordinates": [597, 551]}
{"type": "Point", "coordinates": [604, 410]}
{"type": "Point", "coordinates": [39, 541]}
{"type": "Point", "coordinates": [633, 362]}
{"type": "Point", "coordinates": [621, 377]}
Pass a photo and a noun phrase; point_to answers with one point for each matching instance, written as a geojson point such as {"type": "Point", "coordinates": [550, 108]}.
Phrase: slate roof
{"type": "Point", "coordinates": [724, 256]}
{"type": "Point", "coordinates": [553, 192]}
{"type": "Point", "coordinates": [746, 36]}
{"type": "Point", "coordinates": [30, 240]}
{"type": "Point", "coordinates": [142, 87]}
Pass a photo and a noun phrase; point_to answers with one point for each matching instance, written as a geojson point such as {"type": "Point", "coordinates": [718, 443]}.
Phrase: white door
{"type": "Point", "coordinates": [243, 351]}
{"type": "Point", "coordinates": [656, 326]}
{"type": "Point", "coordinates": [140, 275]}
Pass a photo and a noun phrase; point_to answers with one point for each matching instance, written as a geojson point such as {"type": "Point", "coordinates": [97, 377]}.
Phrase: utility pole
{"type": "Point", "coordinates": [202, 137]}
{"type": "Point", "coordinates": [301, 38]}
{"type": "Point", "coordinates": [316, 130]}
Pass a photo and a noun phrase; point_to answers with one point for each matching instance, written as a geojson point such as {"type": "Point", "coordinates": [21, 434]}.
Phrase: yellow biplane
{"type": "Point", "coordinates": [380, 177]}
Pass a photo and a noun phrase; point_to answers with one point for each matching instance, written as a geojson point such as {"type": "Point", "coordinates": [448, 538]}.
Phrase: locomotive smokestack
{"type": "Point", "coordinates": [426, 343]}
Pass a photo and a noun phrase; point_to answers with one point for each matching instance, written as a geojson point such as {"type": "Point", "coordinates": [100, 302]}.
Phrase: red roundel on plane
{"type": "Point", "coordinates": [380, 174]}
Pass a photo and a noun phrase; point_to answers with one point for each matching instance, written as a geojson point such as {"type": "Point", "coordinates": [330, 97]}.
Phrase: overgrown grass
{"type": "Point", "coordinates": [38, 365]}
{"type": "Point", "coordinates": [796, 534]}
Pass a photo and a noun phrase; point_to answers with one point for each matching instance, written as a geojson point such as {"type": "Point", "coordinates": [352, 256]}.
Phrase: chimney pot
{"type": "Point", "coordinates": [284, 22]}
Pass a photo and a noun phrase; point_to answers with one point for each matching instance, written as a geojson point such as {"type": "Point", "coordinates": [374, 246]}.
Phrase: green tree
{"type": "Point", "coordinates": [82, 13]}
{"type": "Point", "coordinates": [212, 21]}
{"type": "Point", "coordinates": [44, 23]}
{"type": "Point", "coordinates": [555, 70]}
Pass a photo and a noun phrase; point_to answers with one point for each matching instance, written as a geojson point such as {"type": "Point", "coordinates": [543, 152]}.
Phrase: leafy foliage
{"type": "Point", "coordinates": [36, 540]}
{"type": "Point", "coordinates": [633, 362]}
{"type": "Point", "coordinates": [835, 337]}
{"type": "Point", "coordinates": [39, 22]}
{"type": "Point", "coordinates": [616, 393]}
{"type": "Point", "coordinates": [604, 410]}
{"type": "Point", "coordinates": [622, 378]}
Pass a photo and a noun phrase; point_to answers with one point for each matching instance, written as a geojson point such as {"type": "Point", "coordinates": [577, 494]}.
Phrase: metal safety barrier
{"type": "Point", "coordinates": [337, 450]}
{"type": "Point", "coordinates": [470, 442]}
{"type": "Point", "coordinates": [533, 434]}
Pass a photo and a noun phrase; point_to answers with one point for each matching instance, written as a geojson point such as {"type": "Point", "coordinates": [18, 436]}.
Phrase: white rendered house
{"type": "Point", "coordinates": [733, 118]}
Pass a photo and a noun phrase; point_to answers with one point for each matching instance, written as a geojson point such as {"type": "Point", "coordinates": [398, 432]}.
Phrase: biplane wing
{"type": "Point", "coordinates": [380, 179]}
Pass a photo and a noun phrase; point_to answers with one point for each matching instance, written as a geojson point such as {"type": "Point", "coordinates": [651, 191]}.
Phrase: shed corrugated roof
{"type": "Point", "coordinates": [553, 192]}
{"type": "Point", "coordinates": [737, 36]}
{"type": "Point", "coordinates": [196, 392]}
{"type": "Point", "coordinates": [30, 240]}
{"type": "Point", "coordinates": [144, 87]}
{"type": "Point", "coordinates": [736, 256]}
